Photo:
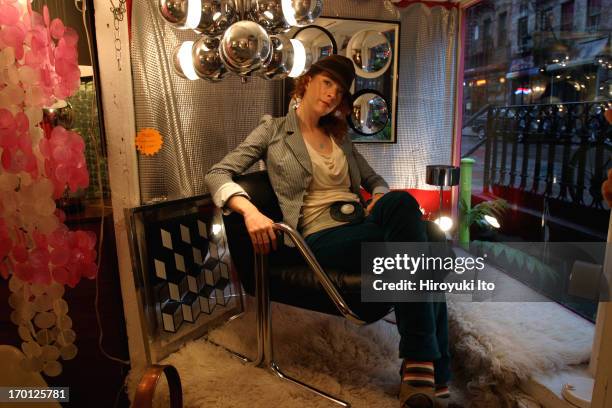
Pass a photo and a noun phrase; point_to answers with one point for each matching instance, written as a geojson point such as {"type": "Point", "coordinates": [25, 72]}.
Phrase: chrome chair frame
{"type": "Point", "coordinates": [265, 346]}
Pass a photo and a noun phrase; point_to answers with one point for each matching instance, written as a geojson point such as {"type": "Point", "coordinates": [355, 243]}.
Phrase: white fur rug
{"type": "Point", "coordinates": [494, 344]}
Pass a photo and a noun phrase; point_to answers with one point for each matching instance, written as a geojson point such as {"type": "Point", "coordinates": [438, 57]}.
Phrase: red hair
{"type": "Point", "coordinates": [334, 123]}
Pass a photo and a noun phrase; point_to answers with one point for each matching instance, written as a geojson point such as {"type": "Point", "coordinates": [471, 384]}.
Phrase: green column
{"type": "Point", "coordinates": [465, 196]}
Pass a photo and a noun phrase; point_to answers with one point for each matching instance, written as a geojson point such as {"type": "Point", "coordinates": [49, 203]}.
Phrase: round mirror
{"type": "Point", "coordinates": [370, 51]}
{"type": "Point", "coordinates": [318, 43]}
{"type": "Point", "coordinates": [370, 112]}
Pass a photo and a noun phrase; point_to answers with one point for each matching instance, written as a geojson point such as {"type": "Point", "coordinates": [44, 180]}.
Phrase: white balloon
{"type": "Point", "coordinates": [56, 291]}
{"type": "Point", "coordinates": [60, 307]}
{"type": "Point", "coordinates": [69, 352]}
{"type": "Point", "coordinates": [43, 303]}
{"type": "Point", "coordinates": [43, 337]}
{"type": "Point", "coordinates": [50, 353]}
{"type": "Point", "coordinates": [52, 368]}
{"type": "Point", "coordinates": [64, 322]}
{"type": "Point", "coordinates": [31, 349]}
{"type": "Point", "coordinates": [8, 182]}
{"type": "Point", "coordinates": [24, 333]}
{"type": "Point", "coordinates": [37, 289]}
{"type": "Point", "coordinates": [66, 337]}
{"type": "Point", "coordinates": [44, 320]}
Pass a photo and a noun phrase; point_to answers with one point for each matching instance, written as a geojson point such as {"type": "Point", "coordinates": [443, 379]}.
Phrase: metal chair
{"type": "Point", "coordinates": [293, 276]}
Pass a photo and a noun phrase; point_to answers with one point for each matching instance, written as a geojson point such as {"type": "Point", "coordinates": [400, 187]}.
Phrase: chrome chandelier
{"type": "Point", "coordinates": [244, 37]}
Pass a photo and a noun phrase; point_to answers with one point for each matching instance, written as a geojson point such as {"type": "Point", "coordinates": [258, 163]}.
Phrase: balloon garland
{"type": "Point", "coordinates": [38, 254]}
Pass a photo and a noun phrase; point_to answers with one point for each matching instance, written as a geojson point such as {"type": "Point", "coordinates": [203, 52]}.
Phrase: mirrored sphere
{"type": "Point", "coordinates": [206, 60]}
{"type": "Point", "coordinates": [370, 51]}
{"type": "Point", "coordinates": [174, 11]}
{"type": "Point", "coordinates": [245, 47]}
{"type": "Point", "coordinates": [370, 113]}
{"type": "Point", "coordinates": [318, 43]}
{"type": "Point", "coordinates": [301, 12]}
{"type": "Point", "coordinates": [269, 14]}
{"type": "Point", "coordinates": [282, 59]}
{"type": "Point", "coordinates": [217, 16]}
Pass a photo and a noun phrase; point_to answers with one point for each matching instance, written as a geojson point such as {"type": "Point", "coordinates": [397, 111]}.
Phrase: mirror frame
{"type": "Point", "coordinates": [392, 100]}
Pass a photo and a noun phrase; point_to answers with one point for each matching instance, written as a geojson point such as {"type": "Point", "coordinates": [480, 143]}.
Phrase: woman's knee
{"type": "Point", "coordinates": [404, 198]}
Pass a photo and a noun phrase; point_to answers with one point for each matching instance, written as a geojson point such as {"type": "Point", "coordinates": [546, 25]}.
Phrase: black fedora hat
{"type": "Point", "coordinates": [340, 68]}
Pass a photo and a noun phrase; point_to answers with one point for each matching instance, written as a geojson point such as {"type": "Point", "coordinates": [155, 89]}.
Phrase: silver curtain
{"type": "Point", "coordinates": [200, 122]}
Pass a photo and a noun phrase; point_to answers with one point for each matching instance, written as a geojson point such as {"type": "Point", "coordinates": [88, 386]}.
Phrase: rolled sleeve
{"type": "Point", "coordinates": [380, 190]}
{"type": "Point", "coordinates": [225, 192]}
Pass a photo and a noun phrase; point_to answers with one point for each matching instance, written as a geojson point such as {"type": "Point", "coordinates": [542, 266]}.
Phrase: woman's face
{"type": "Point", "coordinates": [322, 94]}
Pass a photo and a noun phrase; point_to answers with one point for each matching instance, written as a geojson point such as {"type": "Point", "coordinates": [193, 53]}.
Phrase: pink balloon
{"type": "Point", "coordinates": [60, 256]}
{"type": "Point", "coordinates": [31, 165]}
{"type": "Point", "coordinates": [62, 173]}
{"type": "Point", "coordinates": [20, 254]}
{"type": "Point", "coordinates": [90, 270]}
{"type": "Point", "coordinates": [7, 161]}
{"type": "Point", "coordinates": [40, 239]}
{"type": "Point", "coordinates": [74, 275]}
{"type": "Point", "coordinates": [5, 246]}
{"type": "Point", "coordinates": [39, 258]}
{"type": "Point", "coordinates": [71, 37]}
{"type": "Point", "coordinates": [13, 36]}
{"type": "Point", "coordinates": [58, 239]}
{"type": "Point", "coordinates": [57, 28]}
{"type": "Point", "coordinates": [9, 15]}
{"type": "Point", "coordinates": [24, 271]}
{"type": "Point", "coordinates": [22, 122]}
{"type": "Point", "coordinates": [41, 275]}
{"type": "Point", "coordinates": [61, 153]}
{"type": "Point", "coordinates": [8, 126]}
{"type": "Point", "coordinates": [60, 275]}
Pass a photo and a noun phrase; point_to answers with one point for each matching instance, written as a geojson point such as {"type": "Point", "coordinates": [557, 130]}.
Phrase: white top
{"type": "Point", "coordinates": [330, 183]}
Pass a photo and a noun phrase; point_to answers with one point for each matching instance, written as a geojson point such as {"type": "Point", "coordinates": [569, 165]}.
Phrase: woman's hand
{"type": "Point", "coordinates": [375, 198]}
{"type": "Point", "coordinates": [260, 229]}
{"type": "Point", "coordinates": [258, 225]}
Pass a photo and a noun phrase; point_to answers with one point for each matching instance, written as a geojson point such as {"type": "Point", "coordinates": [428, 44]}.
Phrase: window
{"type": "Point", "coordinates": [516, 103]}
{"type": "Point", "coordinates": [502, 37]}
{"type": "Point", "coordinates": [523, 31]}
{"type": "Point", "coordinates": [567, 16]}
{"type": "Point", "coordinates": [487, 39]}
{"type": "Point", "coordinates": [546, 19]}
{"type": "Point", "coordinates": [593, 14]}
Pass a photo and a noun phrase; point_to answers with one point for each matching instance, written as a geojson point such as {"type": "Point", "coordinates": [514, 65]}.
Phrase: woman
{"type": "Point", "coordinates": [316, 174]}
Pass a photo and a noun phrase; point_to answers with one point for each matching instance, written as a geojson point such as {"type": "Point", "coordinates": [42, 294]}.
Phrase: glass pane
{"type": "Point", "coordinates": [537, 82]}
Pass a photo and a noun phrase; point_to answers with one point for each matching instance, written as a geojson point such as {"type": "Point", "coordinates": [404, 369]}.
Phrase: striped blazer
{"type": "Point", "coordinates": [279, 143]}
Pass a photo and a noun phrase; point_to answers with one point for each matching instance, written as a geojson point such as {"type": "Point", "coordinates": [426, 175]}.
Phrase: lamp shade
{"type": "Point", "coordinates": [442, 175]}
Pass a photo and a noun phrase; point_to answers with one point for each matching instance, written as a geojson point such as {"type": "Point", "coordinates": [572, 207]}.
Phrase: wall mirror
{"type": "Point", "coordinates": [373, 47]}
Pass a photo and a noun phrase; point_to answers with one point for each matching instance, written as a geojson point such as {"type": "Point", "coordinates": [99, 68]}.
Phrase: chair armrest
{"type": "Point", "coordinates": [148, 383]}
{"type": "Point", "coordinates": [320, 274]}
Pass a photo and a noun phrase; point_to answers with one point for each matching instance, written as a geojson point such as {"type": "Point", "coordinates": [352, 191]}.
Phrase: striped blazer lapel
{"type": "Point", "coordinates": [295, 141]}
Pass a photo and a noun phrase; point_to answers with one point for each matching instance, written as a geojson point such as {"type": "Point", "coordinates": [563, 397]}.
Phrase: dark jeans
{"type": "Point", "coordinates": [423, 326]}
